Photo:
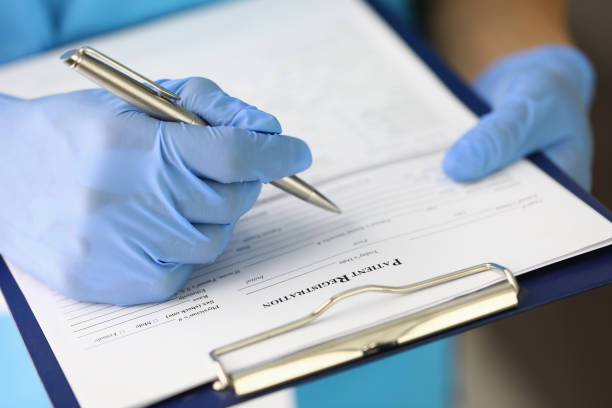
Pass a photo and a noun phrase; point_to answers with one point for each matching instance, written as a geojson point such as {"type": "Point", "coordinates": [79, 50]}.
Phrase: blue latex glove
{"type": "Point", "coordinates": [104, 203]}
{"type": "Point", "coordinates": [540, 99]}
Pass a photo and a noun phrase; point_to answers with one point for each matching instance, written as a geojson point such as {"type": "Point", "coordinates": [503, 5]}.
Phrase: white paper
{"type": "Point", "coordinates": [378, 123]}
{"type": "Point", "coordinates": [3, 305]}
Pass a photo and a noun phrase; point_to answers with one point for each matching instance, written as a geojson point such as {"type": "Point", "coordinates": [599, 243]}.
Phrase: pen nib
{"type": "Point", "coordinates": [304, 191]}
{"type": "Point", "coordinates": [321, 201]}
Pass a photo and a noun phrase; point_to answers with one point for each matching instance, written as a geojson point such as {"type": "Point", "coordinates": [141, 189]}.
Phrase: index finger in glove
{"type": "Point", "coordinates": [227, 154]}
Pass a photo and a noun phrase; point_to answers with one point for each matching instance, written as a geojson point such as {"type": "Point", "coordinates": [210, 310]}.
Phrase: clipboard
{"type": "Point", "coordinates": [548, 284]}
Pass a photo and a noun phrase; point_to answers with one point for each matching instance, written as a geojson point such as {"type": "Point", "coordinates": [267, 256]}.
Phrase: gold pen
{"type": "Point", "coordinates": [159, 103]}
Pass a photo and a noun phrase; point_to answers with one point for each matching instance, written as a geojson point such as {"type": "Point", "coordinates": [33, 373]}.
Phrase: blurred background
{"type": "Point", "coordinates": [558, 355]}
{"type": "Point", "coordinates": [590, 24]}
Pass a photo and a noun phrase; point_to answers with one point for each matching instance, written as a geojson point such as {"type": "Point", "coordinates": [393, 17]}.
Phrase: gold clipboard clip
{"type": "Point", "coordinates": [491, 299]}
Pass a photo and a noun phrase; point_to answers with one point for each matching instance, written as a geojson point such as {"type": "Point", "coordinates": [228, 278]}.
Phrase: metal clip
{"type": "Point", "coordinates": [457, 311]}
{"type": "Point", "coordinates": [156, 88]}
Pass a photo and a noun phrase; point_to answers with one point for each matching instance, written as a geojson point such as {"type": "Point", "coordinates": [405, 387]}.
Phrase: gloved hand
{"type": "Point", "coordinates": [106, 204]}
{"type": "Point", "coordinates": [540, 99]}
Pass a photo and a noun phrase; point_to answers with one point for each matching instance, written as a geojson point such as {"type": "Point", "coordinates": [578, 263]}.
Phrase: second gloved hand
{"type": "Point", "coordinates": [106, 204]}
{"type": "Point", "coordinates": [540, 100]}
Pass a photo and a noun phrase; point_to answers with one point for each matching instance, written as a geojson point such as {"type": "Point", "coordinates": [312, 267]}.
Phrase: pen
{"type": "Point", "coordinates": [158, 102]}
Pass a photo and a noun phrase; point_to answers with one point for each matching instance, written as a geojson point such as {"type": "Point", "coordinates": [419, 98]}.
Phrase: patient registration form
{"type": "Point", "coordinates": [378, 123]}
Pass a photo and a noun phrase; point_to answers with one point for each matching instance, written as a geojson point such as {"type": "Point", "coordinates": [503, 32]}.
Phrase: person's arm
{"type": "Point", "coordinates": [521, 61]}
{"type": "Point", "coordinates": [470, 34]}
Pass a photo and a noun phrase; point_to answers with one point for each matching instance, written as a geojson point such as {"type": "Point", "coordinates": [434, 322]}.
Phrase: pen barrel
{"type": "Point", "coordinates": [130, 90]}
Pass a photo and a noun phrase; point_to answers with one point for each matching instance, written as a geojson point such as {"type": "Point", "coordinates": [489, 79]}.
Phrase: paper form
{"type": "Point", "coordinates": [3, 305]}
{"type": "Point", "coordinates": [378, 123]}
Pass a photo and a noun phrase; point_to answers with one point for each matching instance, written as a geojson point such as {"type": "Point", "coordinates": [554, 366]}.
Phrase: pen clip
{"type": "Point", "coordinates": [157, 89]}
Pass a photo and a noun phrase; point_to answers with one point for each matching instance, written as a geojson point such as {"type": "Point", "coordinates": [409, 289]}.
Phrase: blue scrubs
{"type": "Point", "coordinates": [417, 378]}
{"type": "Point", "coordinates": [19, 383]}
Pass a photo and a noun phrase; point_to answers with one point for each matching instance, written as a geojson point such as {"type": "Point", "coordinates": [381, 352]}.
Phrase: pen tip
{"type": "Point", "coordinates": [321, 201]}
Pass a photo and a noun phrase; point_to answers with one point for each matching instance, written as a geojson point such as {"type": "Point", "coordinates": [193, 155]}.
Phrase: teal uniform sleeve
{"type": "Point", "coordinates": [86, 18]}
{"type": "Point", "coordinates": [26, 27]}
{"type": "Point", "coordinates": [418, 378]}
{"type": "Point", "coordinates": [31, 26]}
{"type": "Point", "coordinates": [19, 384]}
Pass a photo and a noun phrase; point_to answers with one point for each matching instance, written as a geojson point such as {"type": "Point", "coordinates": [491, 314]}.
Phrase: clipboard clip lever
{"type": "Point", "coordinates": [495, 297]}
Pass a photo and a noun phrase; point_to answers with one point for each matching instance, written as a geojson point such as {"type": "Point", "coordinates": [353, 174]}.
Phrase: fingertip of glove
{"type": "Point", "coordinates": [284, 156]}
{"type": "Point", "coordinates": [464, 162]}
{"type": "Point", "coordinates": [302, 157]}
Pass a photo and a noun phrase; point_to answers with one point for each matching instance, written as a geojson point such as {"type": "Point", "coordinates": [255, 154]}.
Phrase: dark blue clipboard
{"type": "Point", "coordinates": [540, 287]}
